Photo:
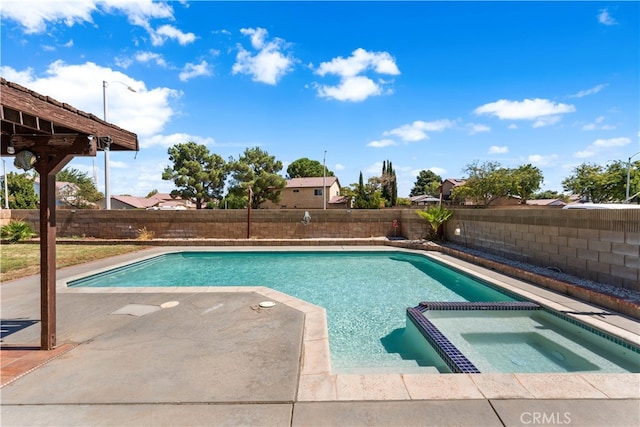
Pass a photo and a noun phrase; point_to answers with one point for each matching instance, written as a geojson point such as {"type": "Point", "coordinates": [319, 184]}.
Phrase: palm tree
{"type": "Point", "coordinates": [435, 216]}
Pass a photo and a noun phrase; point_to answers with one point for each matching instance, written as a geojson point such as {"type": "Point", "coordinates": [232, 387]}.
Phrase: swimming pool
{"type": "Point", "coordinates": [365, 294]}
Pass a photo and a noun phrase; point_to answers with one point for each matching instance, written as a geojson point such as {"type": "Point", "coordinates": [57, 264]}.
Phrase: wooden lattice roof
{"type": "Point", "coordinates": [42, 124]}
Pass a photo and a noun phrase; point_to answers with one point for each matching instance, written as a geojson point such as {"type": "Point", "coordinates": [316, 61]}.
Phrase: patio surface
{"type": "Point", "coordinates": [213, 356]}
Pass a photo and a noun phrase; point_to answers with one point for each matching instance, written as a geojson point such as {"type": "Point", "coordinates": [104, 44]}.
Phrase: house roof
{"type": "Point", "coordinates": [338, 200]}
{"type": "Point", "coordinates": [137, 202]}
{"type": "Point", "coordinates": [59, 184]}
{"type": "Point", "coordinates": [311, 182]}
{"type": "Point", "coordinates": [455, 181]}
{"type": "Point", "coordinates": [546, 202]}
{"type": "Point", "coordinates": [424, 198]}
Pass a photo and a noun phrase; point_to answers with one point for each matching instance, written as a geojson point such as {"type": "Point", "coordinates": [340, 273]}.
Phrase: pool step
{"type": "Point", "coordinates": [385, 363]}
{"type": "Point", "coordinates": [388, 370]}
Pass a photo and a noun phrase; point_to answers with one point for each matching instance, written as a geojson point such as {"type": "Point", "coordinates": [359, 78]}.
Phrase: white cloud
{"type": "Point", "coordinates": [595, 126]}
{"type": "Point", "coordinates": [165, 32]}
{"type": "Point", "coordinates": [194, 70]}
{"type": "Point", "coordinates": [258, 35]}
{"type": "Point", "coordinates": [353, 89]}
{"type": "Point", "coordinates": [475, 128]}
{"type": "Point", "coordinates": [173, 139]}
{"type": "Point", "coordinates": [494, 149]}
{"type": "Point", "coordinates": [417, 130]}
{"type": "Point", "coordinates": [599, 145]}
{"type": "Point", "coordinates": [156, 58]}
{"type": "Point", "coordinates": [269, 64]}
{"type": "Point", "coordinates": [339, 167]}
{"type": "Point", "coordinates": [353, 85]}
{"type": "Point", "coordinates": [512, 126]}
{"type": "Point", "coordinates": [35, 15]}
{"type": "Point", "coordinates": [382, 143]}
{"type": "Point", "coordinates": [542, 111]}
{"type": "Point", "coordinates": [605, 19]}
{"type": "Point", "coordinates": [359, 61]}
{"type": "Point", "coordinates": [145, 112]}
{"type": "Point", "coordinates": [373, 170]}
{"type": "Point", "coordinates": [598, 125]}
{"type": "Point", "coordinates": [139, 12]}
{"type": "Point", "coordinates": [589, 91]}
{"type": "Point", "coordinates": [540, 160]}
{"type": "Point", "coordinates": [611, 142]}
{"type": "Point", "coordinates": [545, 121]}
{"type": "Point", "coordinates": [438, 171]}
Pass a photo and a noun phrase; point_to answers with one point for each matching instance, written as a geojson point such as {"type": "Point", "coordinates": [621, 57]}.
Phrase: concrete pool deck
{"type": "Point", "coordinates": [135, 357]}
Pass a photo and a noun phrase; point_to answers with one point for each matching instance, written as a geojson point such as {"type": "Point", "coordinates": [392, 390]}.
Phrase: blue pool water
{"type": "Point", "coordinates": [366, 295]}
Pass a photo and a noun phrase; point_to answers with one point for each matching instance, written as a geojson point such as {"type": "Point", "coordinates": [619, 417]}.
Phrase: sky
{"type": "Point", "coordinates": [426, 85]}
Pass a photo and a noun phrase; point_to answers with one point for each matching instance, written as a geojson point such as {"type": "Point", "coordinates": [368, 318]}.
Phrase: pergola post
{"type": "Point", "coordinates": [47, 167]}
{"type": "Point", "coordinates": [53, 133]}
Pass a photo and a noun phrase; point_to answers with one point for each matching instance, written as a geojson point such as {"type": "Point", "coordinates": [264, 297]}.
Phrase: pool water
{"type": "Point", "coordinates": [531, 341]}
{"type": "Point", "coordinates": [365, 294]}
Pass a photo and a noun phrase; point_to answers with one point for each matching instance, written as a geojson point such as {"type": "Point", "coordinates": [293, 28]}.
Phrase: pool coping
{"type": "Point", "coordinates": [317, 381]}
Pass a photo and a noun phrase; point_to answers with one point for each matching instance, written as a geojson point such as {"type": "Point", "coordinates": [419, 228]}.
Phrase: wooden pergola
{"type": "Point", "coordinates": [54, 132]}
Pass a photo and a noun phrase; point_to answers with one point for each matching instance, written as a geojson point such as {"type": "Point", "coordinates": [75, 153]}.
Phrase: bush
{"type": "Point", "coordinates": [16, 231]}
{"type": "Point", "coordinates": [435, 216]}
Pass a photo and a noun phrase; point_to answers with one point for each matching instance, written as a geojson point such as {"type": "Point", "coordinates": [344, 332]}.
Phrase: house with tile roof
{"type": "Point", "coordinates": [310, 193]}
{"type": "Point", "coordinates": [159, 201]}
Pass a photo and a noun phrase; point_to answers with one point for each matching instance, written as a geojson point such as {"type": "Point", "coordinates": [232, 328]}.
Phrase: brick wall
{"type": "Point", "coordinates": [601, 245]}
{"type": "Point", "coordinates": [231, 224]}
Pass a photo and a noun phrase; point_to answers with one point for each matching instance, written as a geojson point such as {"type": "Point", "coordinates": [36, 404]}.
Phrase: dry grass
{"type": "Point", "coordinates": [21, 260]}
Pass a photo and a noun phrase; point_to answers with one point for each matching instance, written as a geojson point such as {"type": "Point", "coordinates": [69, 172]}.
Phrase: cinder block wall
{"type": "Point", "coordinates": [601, 245]}
{"type": "Point", "coordinates": [231, 224]}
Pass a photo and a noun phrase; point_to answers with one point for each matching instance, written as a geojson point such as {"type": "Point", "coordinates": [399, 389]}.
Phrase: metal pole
{"type": "Point", "coordinates": [6, 187]}
{"type": "Point", "coordinates": [249, 213]}
{"type": "Point", "coordinates": [107, 193]}
{"type": "Point", "coordinates": [324, 180]}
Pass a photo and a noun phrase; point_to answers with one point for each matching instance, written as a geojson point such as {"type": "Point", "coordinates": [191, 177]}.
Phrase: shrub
{"type": "Point", "coordinates": [144, 234]}
{"type": "Point", "coordinates": [435, 216]}
{"type": "Point", "coordinates": [16, 231]}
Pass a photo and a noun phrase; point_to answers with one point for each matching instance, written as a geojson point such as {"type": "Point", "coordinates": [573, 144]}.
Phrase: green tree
{"type": "Point", "coordinates": [549, 194]}
{"type": "Point", "coordinates": [304, 168]}
{"type": "Point", "coordinates": [361, 200]}
{"type": "Point", "coordinates": [83, 194]}
{"type": "Point", "coordinates": [197, 174]}
{"type": "Point", "coordinates": [436, 216]}
{"type": "Point", "coordinates": [489, 181]}
{"type": "Point", "coordinates": [257, 170]}
{"type": "Point", "coordinates": [485, 183]}
{"type": "Point", "coordinates": [232, 201]}
{"type": "Point", "coordinates": [152, 193]}
{"type": "Point", "coordinates": [22, 193]}
{"type": "Point", "coordinates": [389, 184]}
{"type": "Point", "coordinates": [427, 182]}
{"type": "Point", "coordinates": [600, 184]}
{"type": "Point", "coordinates": [525, 181]}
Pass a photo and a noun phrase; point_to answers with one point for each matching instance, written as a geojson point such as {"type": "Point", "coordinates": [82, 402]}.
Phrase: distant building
{"type": "Point", "coordinates": [546, 202]}
{"type": "Point", "coordinates": [308, 193]}
{"type": "Point", "coordinates": [424, 200]}
{"type": "Point", "coordinates": [66, 193]}
{"type": "Point", "coordinates": [447, 187]}
{"type": "Point", "coordinates": [159, 201]}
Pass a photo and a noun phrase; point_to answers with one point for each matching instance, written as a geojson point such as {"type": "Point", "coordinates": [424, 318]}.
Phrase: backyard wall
{"type": "Point", "coordinates": [596, 244]}
{"type": "Point", "coordinates": [601, 245]}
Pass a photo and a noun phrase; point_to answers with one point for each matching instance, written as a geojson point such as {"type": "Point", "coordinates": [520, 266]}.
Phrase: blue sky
{"type": "Point", "coordinates": [426, 85]}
